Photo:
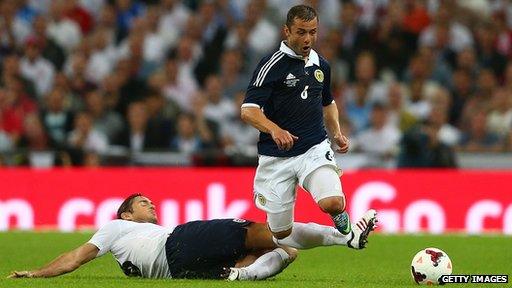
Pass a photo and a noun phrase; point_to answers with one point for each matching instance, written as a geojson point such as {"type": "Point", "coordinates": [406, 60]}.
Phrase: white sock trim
{"type": "Point", "coordinates": [284, 255]}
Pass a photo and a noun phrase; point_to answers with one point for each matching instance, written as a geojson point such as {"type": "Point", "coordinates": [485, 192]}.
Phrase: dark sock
{"type": "Point", "coordinates": [342, 222]}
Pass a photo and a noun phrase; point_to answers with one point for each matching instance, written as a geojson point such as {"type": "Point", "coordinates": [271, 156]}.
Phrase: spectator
{"type": "Point", "coordinates": [75, 70]}
{"type": "Point", "coordinates": [187, 53]}
{"type": "Point", "coordinates": [75, 12]}
{"type": "Point", "coordinates": [355, 37]}
{"type": "Point", "coordinates": [420, 148]}
{"type": "Point", "coordinates": [11, 70]}
{"type": "Point", "coordinates": [358, 108]}
{"type": "Point", "coordinates": [138, 137]}
{"type": "Point", "coordinates": [131, 87]}
{"type": "Point", "coordinates": [34, 136]}
{"type": "Point", "coordinates": [462, 91]}
{"type": "Point", "coordinates": [110, 87]}
{"type": "Point", "coordinates": [65, 32]}
{"type": "Point", "coordinates": [72, 101]}
{"type": "Point", "coordinates": [127, 11]}
{"type": "Point", "coordinates": [108, 122]}
{"type": "Point", "coordinates": [218, 107]}
{"type": "Point", "coordinates": [84, 137]}
{"type": "Point", "coordinates": [36, 68]}
{"type": "Point", "coordinates": [478, 138]}
{"type": "Point", "coordinates": [438, 120]}
{"type": "Point", "coordinates": [380, 140]}
{"type": "Point", "coordinates": [50, 50]}
{"type": "Point", "coordinates": [488, 55]}
{"type": "Point", "coordinates": [503, 34]}
{"type": "Point", "coordinates": [231, 73]}
{"type": "Point", "coordinates": [238, 38]}
{"type": "Point", "coordinates": [481, 99]}
{"type": "Point", "coordinates": [154, 44]}
{"type": "Point", "coordinates": [418, 105]}
{"type": "Point", "coordinates": [5, 142]}
{"type": "Point", "coordinates": [15, 107]}
{"type": "Point", "coordinates": [191, 136]}
{"type": "Point", "coordinates": [328, 11]}
{"type": "Point", "coordinates": [178, 89]}
{"type": "Point", "coordinates": [499, 119]}
{"type": "Point", "coordinates": [14, 30]}
{"type": "Point", "coordinates": [237, 137]}
{"type": "Point", "coordinates": [398, 115]}
{"type": "Point", "coordinates": [437, 63]}
{"type": "Point", "coordinates": [457, 35]}
{"type": "Point", "coordinates": [162, 115]}
{"type": "Point", "coordinates": [213, 34]}
{"type": "Point", "coordinates": [103, 57]}
{"type": "Point", "coordinates": [57, 120]}
{"type": "Point", "coordinates": [260, 28]}
{"type": "Point", "coordinates": [395, 42]}
{"type": "Point", "coordinates": [467, 60]}
{"type": "Point", "coordinates": [416, 18]}
{"type": "Point", "coordinates": [339, 68]}
{"type": "Point", "coordinates": [364, 92]}
{"type": "Point", "coordinates": [174, 14]}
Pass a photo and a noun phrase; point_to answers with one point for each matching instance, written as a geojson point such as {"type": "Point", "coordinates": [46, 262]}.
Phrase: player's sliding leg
{"type": "Point", "coordinates": [265, 266]}
{"type": "Point", "coordinates": [324, 185]}
{"type": "Point", "coordinates": [311, 235]}
{"type": "Point", "coordinates": [303, 236]}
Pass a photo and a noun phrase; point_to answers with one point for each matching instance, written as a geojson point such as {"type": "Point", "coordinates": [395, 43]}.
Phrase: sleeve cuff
{"type": "Point", "coordinates": [250, 105]}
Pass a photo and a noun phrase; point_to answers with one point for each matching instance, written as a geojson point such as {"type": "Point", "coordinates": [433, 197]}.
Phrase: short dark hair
{"type": "Point", "coordinates": [302, 12]}
{"type": "Point", "coordinates": [126, 206]}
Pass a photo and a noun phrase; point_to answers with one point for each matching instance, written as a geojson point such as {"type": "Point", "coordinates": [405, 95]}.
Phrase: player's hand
{"type": "Point", "coordinates": [283, 139]}
{"type": "Point", "coordinates": [21, 274]}
{"type": "Point", "coordinates": [342, 141]}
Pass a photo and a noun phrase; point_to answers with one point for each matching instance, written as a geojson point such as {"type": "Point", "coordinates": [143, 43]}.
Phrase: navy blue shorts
{"type": "Point", "coordinates": [201, 249]}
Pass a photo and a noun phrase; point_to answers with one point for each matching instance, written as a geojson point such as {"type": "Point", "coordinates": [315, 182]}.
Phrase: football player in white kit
{"type": "Point", "coordinates": [233, 249]}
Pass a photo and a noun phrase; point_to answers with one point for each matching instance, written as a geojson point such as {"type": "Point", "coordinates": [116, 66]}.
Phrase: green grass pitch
{"type": "Point", "coordinates": [385, 263]}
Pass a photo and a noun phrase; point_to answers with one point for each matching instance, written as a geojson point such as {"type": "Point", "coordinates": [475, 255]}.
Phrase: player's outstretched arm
{"type": "Point", "coordinates": [65, 263]}
{"type": "Point", "coordinates": [332, 123]}
{"type": "Point", "coordinates": [255, 117]}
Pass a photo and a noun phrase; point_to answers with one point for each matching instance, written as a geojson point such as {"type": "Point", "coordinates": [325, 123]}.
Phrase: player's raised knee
{"type": "Point", "coordinates": [332, 205]}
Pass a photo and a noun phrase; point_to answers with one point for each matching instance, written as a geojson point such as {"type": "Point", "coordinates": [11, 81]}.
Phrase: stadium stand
{"type": "Point", "coordinates": [126, 82]}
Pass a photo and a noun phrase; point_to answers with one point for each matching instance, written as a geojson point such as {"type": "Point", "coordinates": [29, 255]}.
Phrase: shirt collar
{"type": "Point", "coordinates": [313, 56]}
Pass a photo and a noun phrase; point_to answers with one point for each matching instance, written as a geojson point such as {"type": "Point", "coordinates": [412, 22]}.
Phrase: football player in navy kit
{"type": "Point", "coordinates": [233, 249]}
{"type": "Point", "coordinates": [290, 102]}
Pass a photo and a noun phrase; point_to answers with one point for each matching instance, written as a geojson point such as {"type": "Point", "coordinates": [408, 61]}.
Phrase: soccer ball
{"type": "Point", "coordinates": [429, 265]}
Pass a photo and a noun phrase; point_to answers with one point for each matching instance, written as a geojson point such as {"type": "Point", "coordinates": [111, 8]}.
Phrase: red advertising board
{"type": "Point", "coordinates": [434, 201]}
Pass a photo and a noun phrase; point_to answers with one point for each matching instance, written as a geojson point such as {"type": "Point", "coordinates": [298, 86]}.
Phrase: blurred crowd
{"type": "Point", "coordinates": [414, 80]}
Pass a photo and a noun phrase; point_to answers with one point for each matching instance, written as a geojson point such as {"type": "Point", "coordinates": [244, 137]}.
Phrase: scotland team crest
{"type": "Point", "coordinates": [319, 75]}
{"type": "Point", "coordinates": [261, 199]}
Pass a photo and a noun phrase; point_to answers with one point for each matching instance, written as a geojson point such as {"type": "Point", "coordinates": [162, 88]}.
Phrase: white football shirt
{"type": "Point", "coordinates": [143, 244]}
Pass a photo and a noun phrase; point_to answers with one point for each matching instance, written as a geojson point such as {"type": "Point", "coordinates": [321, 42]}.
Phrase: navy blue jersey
{"type": "Point", "coordinates": [292, 94]}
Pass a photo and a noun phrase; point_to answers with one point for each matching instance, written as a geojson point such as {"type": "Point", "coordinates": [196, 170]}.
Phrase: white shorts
{"type": "Point", "coordinates": [277, 177]}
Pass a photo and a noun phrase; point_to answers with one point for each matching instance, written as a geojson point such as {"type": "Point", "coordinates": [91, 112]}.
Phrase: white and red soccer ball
{"type": "Point", "coordinates": [429, 264]}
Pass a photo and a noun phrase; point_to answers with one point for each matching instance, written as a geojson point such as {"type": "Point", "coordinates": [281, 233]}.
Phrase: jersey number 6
{"type": "Point", "coordinates": [304, 94]}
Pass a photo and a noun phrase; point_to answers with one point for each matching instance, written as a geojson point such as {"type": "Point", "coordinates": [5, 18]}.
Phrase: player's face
{"type": "Point", "coordinates": [301, 35]}
{"type": "Point", "coordinates": [143, 211]}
